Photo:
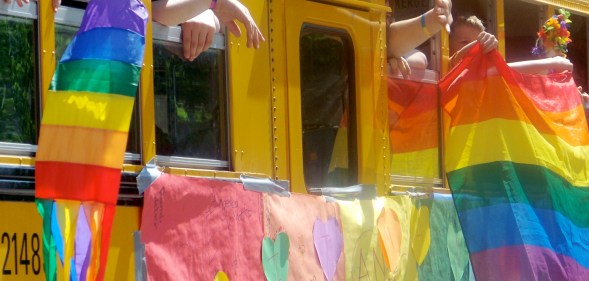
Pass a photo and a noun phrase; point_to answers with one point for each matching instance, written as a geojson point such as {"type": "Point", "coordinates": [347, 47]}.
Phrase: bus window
{"type": "Point", "coordinates": [67, 21]}
{"type": "Point", "coordinates": [407, 9]}
{"type": "Point", "coordinates": [19, 104]}
{"type": "Point", "coordinates": [521, 29]}
{"type": "Point", "coordinates": [328, 111]}
{"type": "Point", "coordinates": [190, 103]}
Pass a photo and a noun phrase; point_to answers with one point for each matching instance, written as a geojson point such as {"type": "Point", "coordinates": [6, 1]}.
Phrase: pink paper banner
{"type": "Point", "coordinates": [296, 216]}
{"type": "Point", "coordinates": [193, 228]}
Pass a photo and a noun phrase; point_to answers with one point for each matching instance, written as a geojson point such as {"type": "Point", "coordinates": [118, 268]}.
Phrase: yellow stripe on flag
{"type": "Point", "coordinates": [520, 143]}
{"type": "Point", "coordinates": [91, 110]}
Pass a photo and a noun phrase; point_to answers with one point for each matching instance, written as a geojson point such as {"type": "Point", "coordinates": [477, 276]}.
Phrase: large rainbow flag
{"type": "Point", "coordinates": [83, 137]}
{"type": "Point", "coordinates": [517, 160]}
{"type": "Point", "coordinates": [414, 128]}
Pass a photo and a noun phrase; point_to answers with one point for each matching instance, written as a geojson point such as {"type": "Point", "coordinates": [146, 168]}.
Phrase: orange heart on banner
{"type": "Point", "coordinates": [390, 237]}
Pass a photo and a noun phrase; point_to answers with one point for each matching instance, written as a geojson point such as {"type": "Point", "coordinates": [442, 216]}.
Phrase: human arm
{"type": "Point", "coordinates": [403, 36]}
{"type": "Point", "coordinates": [173, 12]}
{"type": "Point", "coordinates": [541, 66]}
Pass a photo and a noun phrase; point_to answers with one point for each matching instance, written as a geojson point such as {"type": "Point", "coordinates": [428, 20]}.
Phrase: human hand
{"type": "Point", "coordinates": [443, 10]}
{"type": "Point", "coordinates": [198, 34]}
{"type": "Point", "coordinates": [488, 41]}
{"type": "Point", "coordinates": [584, 95]}
{"type": "Point", "coordinates": [56, 3]}
{"type": "Point", "coordinates": [230, 10]}
{"type": "Point", "coordinates": [400, 65]}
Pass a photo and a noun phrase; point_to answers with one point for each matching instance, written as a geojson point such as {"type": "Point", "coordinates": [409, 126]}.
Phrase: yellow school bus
{"type": "Point", "coordinates": [309, 106]}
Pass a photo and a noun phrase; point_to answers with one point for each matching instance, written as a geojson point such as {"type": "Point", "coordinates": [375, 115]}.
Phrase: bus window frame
{"type": "Point", "coordinates": [173, 34]}
{"type": "Point", "coordinates": [25, 12]}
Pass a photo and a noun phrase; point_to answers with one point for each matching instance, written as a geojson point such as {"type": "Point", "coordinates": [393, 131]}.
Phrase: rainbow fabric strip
{"type": "Point", "coordinates": [84, 135]}
{"type": "Point", "coordinates": [517, 160]}
{"type": "Point", "coordinates": [413, 119]}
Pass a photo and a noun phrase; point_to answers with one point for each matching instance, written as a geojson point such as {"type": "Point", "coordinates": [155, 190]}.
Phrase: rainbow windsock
{"type": "Point", "coordinates": [413, 121]}
{"type": "Point", "coordinates": [517, 160]}
{"type": "Point", "coordinates": [84, 135]}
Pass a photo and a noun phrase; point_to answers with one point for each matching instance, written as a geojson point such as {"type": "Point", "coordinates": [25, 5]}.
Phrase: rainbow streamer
{"type": "Point", "coordinates": [413, 121]}
{"type": "Point", "coordinates": [84, 135]}
{"type": "Point", "coordinates": [517, 158]}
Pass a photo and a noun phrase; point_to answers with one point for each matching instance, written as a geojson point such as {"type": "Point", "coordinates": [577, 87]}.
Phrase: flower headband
{"type": "Point", "coordinates": [554, 34]}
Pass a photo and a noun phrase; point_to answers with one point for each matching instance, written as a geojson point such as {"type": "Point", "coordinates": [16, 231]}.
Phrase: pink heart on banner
{"type": "Point", "coordinates": [328, 241]}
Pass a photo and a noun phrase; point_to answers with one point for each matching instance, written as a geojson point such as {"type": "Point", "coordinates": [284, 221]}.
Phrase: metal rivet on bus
{"type": "Point", "coordinates": [273, 98]}
{"type": "Point", "coordinates": [275, 158]}
{"type": "Point", "coordinates": [44, 51]}
{"type": "Point", "coordinates": [274, 118]}
{"type": "Point", "coordinates": [274, 108]}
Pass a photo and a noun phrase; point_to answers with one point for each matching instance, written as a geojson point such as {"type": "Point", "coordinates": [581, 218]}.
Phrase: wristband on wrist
{"type": "Point", "coordinates": [213, 4]}
{"type": "Point", "coordinates": [424, 27]}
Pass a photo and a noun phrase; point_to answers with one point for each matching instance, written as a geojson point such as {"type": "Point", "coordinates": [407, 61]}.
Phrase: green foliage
{"type": "Point", "coordinates": [18, 91]}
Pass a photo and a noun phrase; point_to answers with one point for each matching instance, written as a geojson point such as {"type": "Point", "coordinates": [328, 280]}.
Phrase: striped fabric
{"type": "Point", "coordinates": [413, 119]}
{"type": "Point", "coordinates": [517, 158]}
{"type": "Point", "coordinates": [84, 135]}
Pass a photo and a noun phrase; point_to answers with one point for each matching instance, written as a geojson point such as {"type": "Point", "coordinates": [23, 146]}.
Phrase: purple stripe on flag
{"type": "Point", "coordinates": [130, 15]}
{"type": "Point", "coordinates": [82, 245]}
{"type": "Point", "coordinates": [526, 262]}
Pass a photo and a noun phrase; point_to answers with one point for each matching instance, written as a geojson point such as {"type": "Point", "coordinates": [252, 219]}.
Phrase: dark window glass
{"type": "Point", "coordinates": [190, 103]}
{"type": "Point", "coordinates": [328, 112]}
{"type": "Point", "coordinates": [63, 36]}
{"type": "Point", "coordinates": [18, 81]}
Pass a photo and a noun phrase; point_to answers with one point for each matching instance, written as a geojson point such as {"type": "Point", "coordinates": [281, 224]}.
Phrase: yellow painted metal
{"type": "Point", "coordinates": [20, 218]}
{"type": "Point", "coordinates": [46, 46]}
{"type": "Point", "coordinates": [500, 20]}
{"type": "Point", "coordinates": [359, 5]}
{"type": "Point", "coordinates": [579, 6]}
{"type": "Point", "coordinates": [278, 70]}
{"type": "Point", "coordinates": [146, 96]}
{"type": "Point", "coordinates": [17, 160]}
{"type": "Point", "coordinates": [250, 98]}
{"type": "Point", "coordinates": [364, 32]}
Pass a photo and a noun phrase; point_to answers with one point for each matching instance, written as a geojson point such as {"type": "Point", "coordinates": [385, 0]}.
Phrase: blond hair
{"type": "Point", "coordinates": [471, 21]}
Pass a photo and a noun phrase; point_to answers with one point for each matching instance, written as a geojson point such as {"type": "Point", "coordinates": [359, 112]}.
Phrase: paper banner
{"type": "Point", "coordinates": [296, 215]}
{"type": "Point", "coordinates": [363, 256]}
{"type": "Point", "coordinates": [194, 227]}
{"type": "Point", "coordinates": [328, 241]}
{"type": "Point", "coordinates": [275, 257]}
{"type": "Point", "coordinates": [447, 257]}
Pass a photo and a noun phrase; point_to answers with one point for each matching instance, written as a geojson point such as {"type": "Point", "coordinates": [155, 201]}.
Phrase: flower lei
{"type": "Point", "coordinates": [554, 34]}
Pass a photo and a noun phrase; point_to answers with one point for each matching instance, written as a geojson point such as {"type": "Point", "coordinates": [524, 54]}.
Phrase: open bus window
{"type": "Point", "coordinates": [190, 103]}
{"type": "Point", "coordinates": [407, 9]}
{"type": "Point", "coordinates": [18, 85]}
{"type": "Point", "coordinates": [67, 24]}
{"type": "Point", "coordinates": [328, 108]}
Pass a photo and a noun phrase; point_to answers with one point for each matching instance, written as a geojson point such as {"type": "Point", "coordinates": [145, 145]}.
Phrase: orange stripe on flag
{"type": "Point", "coordinates": [82, 145]}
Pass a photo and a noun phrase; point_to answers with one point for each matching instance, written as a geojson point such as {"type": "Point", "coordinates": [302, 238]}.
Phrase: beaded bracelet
{"type": "Point", "coordinates": [424, 27]}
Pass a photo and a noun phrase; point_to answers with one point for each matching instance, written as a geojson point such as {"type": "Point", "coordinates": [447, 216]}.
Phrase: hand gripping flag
{"type": "Point", "coordinates": [517, 160]}
{"type": "Point", "coordinates": [83, 137]}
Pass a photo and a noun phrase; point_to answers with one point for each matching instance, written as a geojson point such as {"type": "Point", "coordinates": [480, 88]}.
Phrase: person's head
{"type": "Point", "coordinates": [464, 31]}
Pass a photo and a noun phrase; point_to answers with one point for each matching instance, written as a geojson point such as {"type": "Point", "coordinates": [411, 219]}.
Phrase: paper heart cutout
{"type": "Point", "coordinates": [275, 257]}
{"type": "Point", "coordinates": [457, 250]}
{"type": "Point", "coordinates": [328, 241]}
{"type": "Point", "coordinates": [390, 237]}
{"type": "Point", "coordinates": [420, 232]}
{"type": "Point", "coordinates": [221, 276]}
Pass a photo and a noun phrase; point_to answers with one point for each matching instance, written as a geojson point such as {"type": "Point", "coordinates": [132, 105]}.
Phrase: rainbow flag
{"type": "Point", "coordinates": [517, 160]}
{"type": "Point", "coordinates": [84, 135]}
{"type": "Point", "coordinates": [413, 121]}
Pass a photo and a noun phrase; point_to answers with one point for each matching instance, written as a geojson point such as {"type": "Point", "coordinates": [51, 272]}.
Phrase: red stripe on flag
{"type": "Point", "coordinates": [77, 182]}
